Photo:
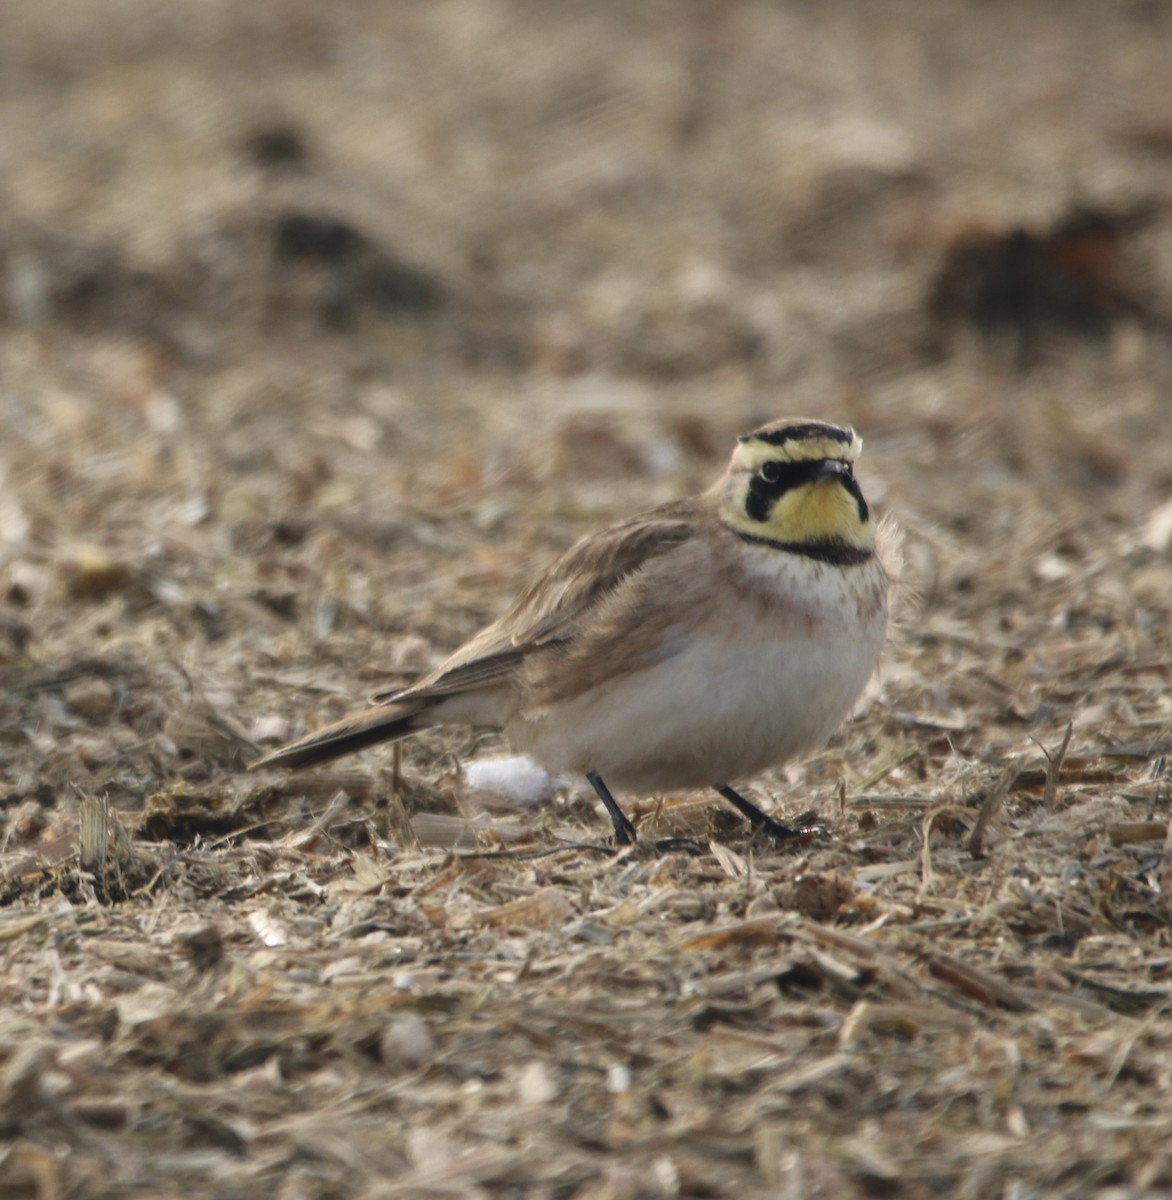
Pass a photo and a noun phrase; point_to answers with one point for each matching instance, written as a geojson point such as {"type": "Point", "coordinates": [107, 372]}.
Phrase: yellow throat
{"type": "Point", "coordinates": [791, 485]}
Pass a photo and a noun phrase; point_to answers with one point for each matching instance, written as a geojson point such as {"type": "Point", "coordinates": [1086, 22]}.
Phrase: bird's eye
{"type": "Point", "coordinates": [771, 472]}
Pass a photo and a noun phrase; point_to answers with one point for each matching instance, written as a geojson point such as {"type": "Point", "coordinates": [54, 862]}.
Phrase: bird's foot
{"type": "Point", "coordinates": [681, 845]}
{"type": "Point", "coordinates": [789, 833]}
{"type": "Point", "coordinates": [763, 823]}
{"type": "Point", "coordinates": [624, 831]}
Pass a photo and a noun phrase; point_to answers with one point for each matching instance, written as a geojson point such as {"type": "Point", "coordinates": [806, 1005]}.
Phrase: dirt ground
{"type": "Point", "coordinates": [320, 326]}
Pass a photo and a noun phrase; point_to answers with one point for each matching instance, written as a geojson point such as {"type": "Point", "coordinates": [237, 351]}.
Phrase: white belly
{"type": "Point", "coordinates": [743, 692]}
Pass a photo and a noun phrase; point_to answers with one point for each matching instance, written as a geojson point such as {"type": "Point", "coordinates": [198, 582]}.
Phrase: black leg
{"type": "Point", "coordinates": [624, 831]}
{"type": "Point", "coordinates": [757, 818]}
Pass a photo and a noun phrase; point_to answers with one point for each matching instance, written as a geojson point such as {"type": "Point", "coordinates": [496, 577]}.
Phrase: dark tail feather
{"type": "Point", "coordinates": [386, 723]}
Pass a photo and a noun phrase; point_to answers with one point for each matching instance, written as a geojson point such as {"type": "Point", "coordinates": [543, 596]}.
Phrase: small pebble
{"type": "Point", "coordinates": [536, 1085]}
{"type": "Point", "coordinates": [91, 698]}
{"type": "Point", "coordinates": [407, 1042]}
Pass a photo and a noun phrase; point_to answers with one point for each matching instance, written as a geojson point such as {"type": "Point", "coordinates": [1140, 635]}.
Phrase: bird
{"type": "Point", "coordinates": [692, 646]}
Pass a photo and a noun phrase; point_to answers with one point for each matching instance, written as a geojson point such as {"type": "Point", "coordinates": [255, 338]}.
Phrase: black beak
{"type": "Point", "coordinates": [831, 468]}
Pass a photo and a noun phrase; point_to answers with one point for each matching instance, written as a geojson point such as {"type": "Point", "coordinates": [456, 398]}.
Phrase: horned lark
{"type": "Point", "coordinates": [691, 646]}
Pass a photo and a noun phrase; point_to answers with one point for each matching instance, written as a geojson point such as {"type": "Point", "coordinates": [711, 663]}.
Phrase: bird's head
{"type": "Point", "coordinates": [791, 483]}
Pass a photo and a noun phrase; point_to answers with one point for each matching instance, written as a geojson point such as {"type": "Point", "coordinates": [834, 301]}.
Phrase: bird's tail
{"type": "Point", "coordinates": [357, 731]}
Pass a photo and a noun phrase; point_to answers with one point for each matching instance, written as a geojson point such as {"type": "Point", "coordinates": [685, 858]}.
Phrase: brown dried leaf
{"type": "Point", "coordinates": [543, 909]}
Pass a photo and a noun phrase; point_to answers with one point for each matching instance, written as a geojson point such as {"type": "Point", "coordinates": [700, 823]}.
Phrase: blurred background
{"type": "Point", "coordinates": [321, 324]}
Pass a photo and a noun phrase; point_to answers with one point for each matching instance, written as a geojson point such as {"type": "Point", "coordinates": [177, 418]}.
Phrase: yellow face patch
{"type": "Point", "coordinates": [792, 485]}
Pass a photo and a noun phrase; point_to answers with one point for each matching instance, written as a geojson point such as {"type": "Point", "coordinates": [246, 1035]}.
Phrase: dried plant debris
{"type": "Point", "coordinates": [320, 329]}
{"type": "Point", "coordinates": [1080, 277]}
{"type": "Point", "coordinates": [350, 271]}
{"type": "Point", "coordinates": [278, 145]}
{"type": "Point", "coordinates": [283, 267]}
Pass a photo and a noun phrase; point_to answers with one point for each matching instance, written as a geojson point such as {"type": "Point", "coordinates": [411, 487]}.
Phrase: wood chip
{"type": "Point", "coordinates": [542, 910]}
{"type": "Point", "coordinates": [977, 984]}
{"type": "Point", "coordinates": [1122, 832]}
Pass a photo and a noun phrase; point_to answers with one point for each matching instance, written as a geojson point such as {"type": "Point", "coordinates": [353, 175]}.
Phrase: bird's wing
{"type": "Point", "coordinates": [557, 601]}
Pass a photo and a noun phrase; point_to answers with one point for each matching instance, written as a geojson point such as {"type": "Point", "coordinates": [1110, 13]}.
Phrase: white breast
{"type": "Point", "coordinates": [753, 683]}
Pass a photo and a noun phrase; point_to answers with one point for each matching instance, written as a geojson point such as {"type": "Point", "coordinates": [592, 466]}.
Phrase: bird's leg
{"type": "Point", "coordinates": [757, 818]}
{"type": "Point", "coordinates": [624, 831]}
